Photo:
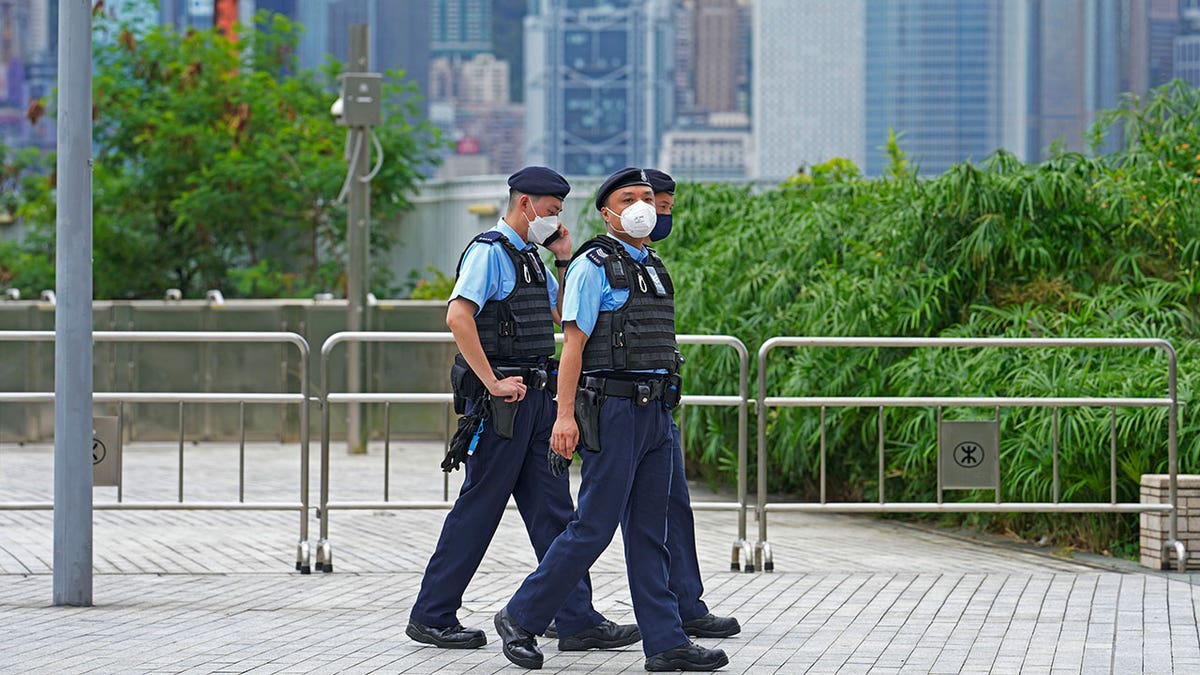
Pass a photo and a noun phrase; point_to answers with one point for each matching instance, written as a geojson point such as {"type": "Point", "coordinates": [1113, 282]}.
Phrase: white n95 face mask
{"type": "Point", "coordinates": [638, 219]}
{"type": "Point", "coordinates": [543, 229]}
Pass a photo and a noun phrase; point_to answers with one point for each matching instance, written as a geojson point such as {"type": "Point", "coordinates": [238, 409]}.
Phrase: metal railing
{"type": "Point", "coordinates": [763, 403]}
{"type": "Point", "coordinates": [303, 550]}
{"type": "Point", "coordinates": [742, 548]}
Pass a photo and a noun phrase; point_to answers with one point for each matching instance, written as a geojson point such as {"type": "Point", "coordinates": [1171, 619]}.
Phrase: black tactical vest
{"type": "Point", "coordinates": [639, 335]}
{"type": "Point", "coordinates": [518, 329]}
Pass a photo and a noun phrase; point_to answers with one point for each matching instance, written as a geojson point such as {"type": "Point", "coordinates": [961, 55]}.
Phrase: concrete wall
{"type": "Point", "coordinates": [203, 367]}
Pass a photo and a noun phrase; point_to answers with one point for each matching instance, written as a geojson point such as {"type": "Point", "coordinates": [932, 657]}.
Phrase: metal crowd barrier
{"type": "Point", "coordinates": [1170, 402]}
{"type": "Point", "coordinates": [303, 551]}
{"type": "Point", "coordinates": [324, 551]}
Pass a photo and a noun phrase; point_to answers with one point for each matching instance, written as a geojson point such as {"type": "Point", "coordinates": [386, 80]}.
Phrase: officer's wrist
{"type": "Point", "coordinates": [562, 262]}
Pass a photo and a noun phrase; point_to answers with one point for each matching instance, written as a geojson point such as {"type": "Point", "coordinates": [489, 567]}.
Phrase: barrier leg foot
{"type": "Point", "coordinates": [735, 564]}
{"type": "Point", "coordinates": [768, 561]}
{"type": "Point", "coordinates": [748, 555]}
{"type": "Point", "coordinates": [319, 563]}
{"type": "Point", "coordinates": [325, 553]}
{"type": "Point", "coordinates": [1180, 556]}
{"type": "Point", "coordinates": [304, 558]}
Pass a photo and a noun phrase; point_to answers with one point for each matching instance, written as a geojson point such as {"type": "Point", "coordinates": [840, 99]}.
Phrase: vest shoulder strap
{"type": "Point", "coordinates": [602, 251]}
{"type": "Point", "coordinates": [489, 237]}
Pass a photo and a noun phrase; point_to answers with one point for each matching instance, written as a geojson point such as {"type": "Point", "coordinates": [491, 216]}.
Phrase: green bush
{"type": "Point", "coordinates": [1076, 246]}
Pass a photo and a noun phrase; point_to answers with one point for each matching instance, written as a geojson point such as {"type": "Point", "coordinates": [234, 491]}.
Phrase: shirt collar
{"type": "Point", "coordinates": [638, 255]}
{"type": "Point", "coordinates": [511, 234]}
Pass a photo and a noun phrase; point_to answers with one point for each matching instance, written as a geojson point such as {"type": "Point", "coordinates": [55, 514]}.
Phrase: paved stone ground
{"type": "Point", "coordinates": [214, 591]}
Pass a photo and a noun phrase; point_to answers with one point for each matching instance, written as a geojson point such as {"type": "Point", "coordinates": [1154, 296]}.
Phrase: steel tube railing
{"type": "Point", "coordinates": [1170, 402]}
{"type": "Point", "coordinates": [741, 549]}
{"type": "Point", "coordinates": [301, 399]}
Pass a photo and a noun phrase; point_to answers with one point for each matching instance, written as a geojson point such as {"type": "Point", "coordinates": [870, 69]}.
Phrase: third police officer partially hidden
{"type": "Point", "coordinates": [501, 312]}
{"type": "Point", "coordinates": [620, 351]}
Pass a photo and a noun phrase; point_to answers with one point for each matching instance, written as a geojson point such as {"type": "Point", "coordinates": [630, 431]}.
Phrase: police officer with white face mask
{"type": "Point", "coordinates": [617, 382]}
{"type": "Point", "coordinates": [502, 312]}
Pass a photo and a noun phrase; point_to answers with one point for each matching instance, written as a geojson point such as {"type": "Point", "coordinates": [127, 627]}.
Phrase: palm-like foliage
{"type": "Point", "coordinates": [1079, 245]}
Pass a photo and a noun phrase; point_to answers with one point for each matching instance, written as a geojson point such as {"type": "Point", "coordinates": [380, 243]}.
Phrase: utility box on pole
{"type": "Point", "coordinates": [361, 100]}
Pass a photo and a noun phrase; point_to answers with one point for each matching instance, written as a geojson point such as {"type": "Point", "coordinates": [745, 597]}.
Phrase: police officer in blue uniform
{"type": "Point", "coordinates": [618, 318]}
{"type": "Point", "coordinates": [501, 312]}
{"type": "Point", "coordinates": [681, 524]}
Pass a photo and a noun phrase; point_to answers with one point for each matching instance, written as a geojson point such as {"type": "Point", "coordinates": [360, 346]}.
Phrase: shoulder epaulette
{"type": "Point", "coordinates": [489, 237]}
{"type": "Point", "coordinates": [597, 256]}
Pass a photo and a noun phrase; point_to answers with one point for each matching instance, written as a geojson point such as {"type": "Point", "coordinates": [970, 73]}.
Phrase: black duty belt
{"type": "Point", "coordinates": [535, 377]}
{"type": "Point", "coordinates": [642, 391]}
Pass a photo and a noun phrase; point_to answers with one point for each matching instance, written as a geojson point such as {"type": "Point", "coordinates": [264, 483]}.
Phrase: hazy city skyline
{"type": "Point", "coordinates": [709, 89]}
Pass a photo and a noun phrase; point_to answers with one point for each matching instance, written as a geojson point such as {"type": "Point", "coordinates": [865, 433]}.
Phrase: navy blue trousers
{"type": "Point", "coordinates": [499, 468]}
{"type": "Point", "coordinates": [681, 539]}
{"type": "Point", "coordinates": [627, 483]}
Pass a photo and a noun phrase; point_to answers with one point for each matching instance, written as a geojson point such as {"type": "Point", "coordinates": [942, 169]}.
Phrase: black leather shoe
{"type": "Point", "coordinates": [604, 635]}
{"type": "Point", "coordinates": [691, 657]}
{"type": "Point", "coordinates": [710, 626]}
{"type": "Point", "coordinates": [452, 637]}
{"type": "Point", "coordinates": [551, 631]}
{"type": "Point", "coordinates": [520, 646]}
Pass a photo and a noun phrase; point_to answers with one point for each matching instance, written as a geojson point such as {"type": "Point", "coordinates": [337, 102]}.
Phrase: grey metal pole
{"type": "Point", "coordinates": [73, 313]}
{"type": "Point", "coordinates": [358, 237]}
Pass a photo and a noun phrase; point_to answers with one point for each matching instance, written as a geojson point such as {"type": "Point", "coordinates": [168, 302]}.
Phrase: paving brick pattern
{"type": "Point", "coordinates": [213, 591]}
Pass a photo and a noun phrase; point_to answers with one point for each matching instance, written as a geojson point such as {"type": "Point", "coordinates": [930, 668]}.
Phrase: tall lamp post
{"type": "Point", "coordinates": [73, 311]}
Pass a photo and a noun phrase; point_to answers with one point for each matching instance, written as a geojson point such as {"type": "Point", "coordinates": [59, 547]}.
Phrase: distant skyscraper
{"type": "Point", "coordinates": [1163, 26]}
{"type": "Point", "coordinates": [461, 27]}
{"type": "Point", "coordinates": [933, 75]}
{"type": "Point", "coordinates": [598, 85]}
{"type": "Point", "coordinates": [484, 80]}
{"type": "Point", "coordinates": [508, 41]}
{"type": "Point", "coordinates": [718, 52]}
{"type": "Point", "coordinates": [808, 84]}
{"type": "Point", "coordinates": [1186, 45]}
{"type": "Point", "coordinates": [399, 36]}
{"type": "Point", "coordinates": [39, 26]}
{"type": "Point", "coordinates": [683, 16]}
{"type": "Point", "coordinates": [1081, 59]}
{"type": "Point", "coordinates": [1187, 58]}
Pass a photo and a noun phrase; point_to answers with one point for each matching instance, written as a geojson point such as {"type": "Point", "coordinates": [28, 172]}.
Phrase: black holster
{"type": "Point", "coordinates": [504, 416]}
{"type": "Point", "coordinates": [587, 417]}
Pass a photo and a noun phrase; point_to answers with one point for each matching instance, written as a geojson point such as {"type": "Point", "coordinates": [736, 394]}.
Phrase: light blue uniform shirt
{"type": "Point", "coordinates": [487, 273]}
{"type": "Point", "coordinates": [586, 292]}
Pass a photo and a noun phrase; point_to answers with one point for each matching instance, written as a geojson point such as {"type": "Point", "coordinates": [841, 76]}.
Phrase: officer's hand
{"type": "Point", "coordinates": [565, 437]}
{"type": "Point", "coordinates": [561, 247]}
{"type": "Point", "coordinates": [510, 389]}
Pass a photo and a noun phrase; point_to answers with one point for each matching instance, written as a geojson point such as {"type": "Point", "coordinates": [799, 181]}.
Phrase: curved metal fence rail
{"type": "Point", "coordinates": [742, 549]}
{"type": "Point", "coordinates": [300, 399]}
{"type": "Point", "coordinates": [764, 402]}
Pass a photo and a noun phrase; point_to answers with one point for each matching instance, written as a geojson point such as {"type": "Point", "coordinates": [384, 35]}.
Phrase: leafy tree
{"type": "Point", "coordinates": [26, 185]}
{"type": "Point", "coordinates": [218, 163]}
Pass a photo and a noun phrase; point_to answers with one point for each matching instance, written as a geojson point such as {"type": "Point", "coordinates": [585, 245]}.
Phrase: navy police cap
{"type": "Point", "coordinates": [660, 181]}
{"type": "Point", "coordinates": [623, 178]}
{"type": "Point", "coordinates": [538, 181]}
